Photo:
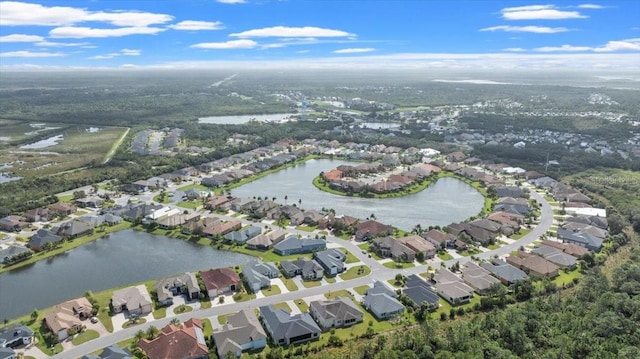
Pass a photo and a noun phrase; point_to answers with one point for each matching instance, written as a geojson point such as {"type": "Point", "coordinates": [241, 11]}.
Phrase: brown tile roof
{"type": "Point", "coordinates": [220, 278]}
{"type": "Point", "coordinates": [174, 342]}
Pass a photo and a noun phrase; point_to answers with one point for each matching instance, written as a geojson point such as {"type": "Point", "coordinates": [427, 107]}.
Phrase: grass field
{"type": "Point", "coordinates": [85, 337]}
{"type": "Point", "coordinates": [398, 265]}
{"type": "Point", "coordinates": [355, 272]}
{"type": "Point", "coordinates": [362, 290]}
{"type": "Point", "coordinates": [273, 290]}
{"type": "Point", "coordinates": [302, 305]}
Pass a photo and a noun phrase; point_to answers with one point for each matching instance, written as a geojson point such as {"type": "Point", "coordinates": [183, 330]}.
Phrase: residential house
{"type": "Point", "coordinates": [169, 287]}
{"type": "Point", "coordinates": [286, 329]}
{"type": "Point", "coordinates": [38, 215]}
{"type": "Point", "coordinates": [293, 245]}
{"type": "Point", "coordinates": [15, 335]}
{"type": "Point", "coordinates": [420, 292]}
{"type": "Point", "coordinates": [556, 256]}
{"type": "Point", "coordinates": [221, 281]}
{"type": "Point", "coordinates": [478, 278]}
{"type": "Point", "coordinates": [89, 202]}
{"type": "Point", "coordinates": [266, 241]}
{"type": "Point", "coordinates": [596, 221]}
{"type": "Point", "coordinates": [111, 352]}
{"type": "Point", "coordinates": [451, 287]}
{"type": "Point", "coordinates": [569, 248]}
{"type": "Point", "coordinates": [506, 273]}
{"type": "Point", "coordinates": [243, 235]}
{"type": "Point", "coordinates": [308, 269]}
{"type": "Point", "coordinates": [62, 209]}
{"type": "Point", "coordinates": [43, 238]}
{"type": "Point", "coordinates": [335, 313]}
{"type": "Point", "coordinates": [487, 225]}
{"type": "Point", "coordinates": [14, 253]}
{"type": "Point", "coordinates": [135, 300]}
{"type": "Point", "coordinates": [533, 264]}
{"type": "Point", "coordinates": [241, 332]}
{"type": "Point", "coordinates": [510, 222]}
{"type": "Point", "coordinates": [456, 156]}
{"type": "Point", "coordinates": [65, 319]}
{"type": "Point", "coordinates": [381, 302]}
{"type": "Point", "coordinates": [476, 234]}
{"type": "Point", "coordinates": [218, 202]}
{"type": "Point", "coordinates": [440, 239]}
{"type": "Point", "coordinates": [177, 219]}
{"type": "Point", "coordinates": [198, 226]}
{"type": "Point", "coordinates": [585, 240]}
{"type": "Point", "coordinates": [73, 229]}
{"type": "Point", "coordinates": [13, 223]}
{"type": "Point", "coordinates": [331, 260]}
{"type": "Point", "coordinates": [221, 228]}
{"type": "Point", "coordinates": [186, 341]}
{"type": "Point", "coordinates": [371, 229]}
{"type": "Point", "coordinates": [419, 245]}
{"type": "Point", "coordinates": [390, 247]}
{"type": "Point", "coordinates": [257, 274]}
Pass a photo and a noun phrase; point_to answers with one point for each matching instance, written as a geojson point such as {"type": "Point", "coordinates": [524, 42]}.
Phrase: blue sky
{"type": "Point", "coordinates": [319, 33]}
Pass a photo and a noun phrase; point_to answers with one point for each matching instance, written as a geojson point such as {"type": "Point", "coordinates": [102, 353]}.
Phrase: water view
{"type": "Point", "coordinates": [238, 120]}
{"type": "Point", "coordinates": [125, 257]}
{"type": "Point", "coordinates": [446, 201]}
{"type": "Point", "coordinates": [47, 142]}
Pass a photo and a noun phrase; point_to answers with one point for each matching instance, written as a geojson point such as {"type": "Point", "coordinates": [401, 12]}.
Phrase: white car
{"type": "Point", "coordinates": [94, 320]}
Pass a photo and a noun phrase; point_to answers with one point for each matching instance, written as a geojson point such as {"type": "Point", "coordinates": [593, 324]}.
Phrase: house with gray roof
{"type": "Point", "coordinates": [293, 245]}
{"type": "Point", "coordinates": [42, 238]}
{"type": "Point", "coordinates": [390, 247]}
{"type": "Point", "coordinates": [478, 278]}
{"type": "Point", "coordinates": [111, 352]}
{"type": "Point", "coordinates": [15, 336]}
{"type": "Point", "coordinates": [419, 292]}
{"type": "Point", "coordinates": [135, 299]}
{"type": "Point", "coordinates": [73, 229]}
{"type": "Point", "coordinates": [335, 313]}
{"type": "Point", "coordinates": [14, 253]}
{"type": "Point", "coordinates": [169, 287]}
{"type": "Point", "coordinates": [451, 287]}
{"type": "Point", "coordinates": [505, 272]}
{"type": "Point", "coordinates": [243, 235]}
{"type": "Point", "coordinates": [331, 260]}
{"type": "Point", "coordinates": [286, 329]}
{"type": "Point", "coordinates": [381, 302]}
{"type": "Point", "coordinates": [241, 332]}
{"type": "Point", "coordinates": [257, 274]}
{"type": "Point", "coordinates": [556, 256]}
{"type": "Point", "coordinates": [586, 240]}
{"type": "Point", "coordinates": [308, 269]}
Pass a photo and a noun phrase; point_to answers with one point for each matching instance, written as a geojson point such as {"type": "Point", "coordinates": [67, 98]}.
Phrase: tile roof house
{"type": "Point", "coordinates": [371, 229]}
{"type": "Point", "coordinates": [451, 287]}
{"type": "Point", "coordinates": [42, 238]}
{"type": "Point", "coordinates": [556, 256]}
{"type": "Point", "coordinates": [585, 240]}
{"type": "Point", "coordinates": [286, 329]}
{"type": "Point", "coordinates": [62, 209]}
{"type": "Point", "coordinates": [478, 278]}
{"type": "Point", "coordinates": [257, 274]}
{"type": "Point", "coordinates": [266, 241]}
{"type": "Point", "coordinates": [293, 245]}
{"type": "Point", "coordinates": [38, 215]}
{"type": "Point", "coordinates": [13, 223]}
{"type": "Point", "coordinates": [66, 318]}
{"type": "Point", "coordinates": [569, 248]}
{"type": "Point", "coordinates": [177, 342]}
{"type": "Point", "coordinates": [241, 332]}
{"type": "Point", "coordinates": [419, 244]}
{"type": "Point", "coordinates": [390, 247]}
{"type": "Point", "coordinates": [220, 281]}
{"type": "Point", "coordinates": [419, 292]}
{"type": "Point", "coordinates": [243, 235]}
{"type": "Point", "coordinates": [381, 302]}
{"type": "Point", "coordinates": [111, 352]}
{"type": "Point", "coordinates": [14, 253]}
{"type": "Point", "coordinates": [335, 313]}
{"type": "Point", "coordinates": [440, 239]}
{"type": "Point", "coordinates": [506, 273]}
{"type": "Point", "coordinates": [308, 269]}
{"type": "Point", "coordinates": [15, 335]}
{"type": "Point", "coordinates": [135, 300]}
{"type": "Point", "coordinates": [533, 265]}
{"type": "Point", "coordinates": [331, 260]}
{"type": "Point", "coordinates": [168, 287]}
{"type": "Point", "coordinates": [73, 229]}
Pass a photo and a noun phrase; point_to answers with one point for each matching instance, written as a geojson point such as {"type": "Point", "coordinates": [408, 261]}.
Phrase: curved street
{"type": "Point", "coordinates": [378, 272]}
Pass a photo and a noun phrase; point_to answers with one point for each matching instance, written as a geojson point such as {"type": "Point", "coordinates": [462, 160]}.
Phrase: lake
{"type": "Point", "coordinates": [238, 120]}
{"type": "Point", "coordinates": [125, 257]}
{"type": "Point", "coordinates": [446, 201]}
{"type": "Point", "coordinates": [47, 142]}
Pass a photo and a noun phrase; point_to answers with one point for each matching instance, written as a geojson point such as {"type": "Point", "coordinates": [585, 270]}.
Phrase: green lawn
{"type": "Point", "coordinates": [204, 304]}
{"type": "Point", "coordinates": [493, 246]}
{"type": "Point", "coordinates": [330, 279]}
{"type": "Point", "coordinates": [355, 272]}
{"type": "Point", "coordinates": [302, 305]}
{"type": "Point", "coordinates": [520, 234]}
{"type": "Point", "coordinates": [266, 256]}
{"type": "Point", "coordinates": [190, 204]}
{"type": "Point", "coordinates": [445, 307]}
{"type": "Point", "coordinates": [362, 290]}
{"type": "Point", "coordinates": [306, 228]}
{"type": "Point", "coordinates": [311, 283]}
{"type": "Point", "coordinates": [566, 278]}
{"type": "Point", "coordinates": [159, 313]}
{"type": "Point", "coordinates": [273, 290]}
{"type": "Point", "coordinates": [340, 293]}
{"type": "Point", "coordinates": [469, 252]}
{"type": "Point", "coordinates": [182, 309]}
{"type": "Point", "coordinates": [283, 305]}
{"type": "Point", "coordinates": [243, 297]}
{"type": "Point", "coordinates": [132, 323]}
{"type": "Point", "coordinates": [398, 265]}
{"type": "Point", "coordinates": [445, 256]}
{"type": "Point", "coordinates": [222, 319]}
{"type": "Point", "coordinates": [194, 186]}
{"type": "Point", "coordinates": [290, 284]}
{"type": "Point", "coordinates": [85, 337]}
{"type": "Point", "coordinates": [365, 246]}
{"type": "Point", "coordinates": [65, 198]}
{"type": "Point", "coordinates": [157, 199]}
{"type": "Point", "coordinates": [350, 257]}
{"type": "Point", "coordinates": [207, 327]}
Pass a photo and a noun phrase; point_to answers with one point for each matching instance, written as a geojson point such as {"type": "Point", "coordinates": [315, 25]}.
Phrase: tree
{"type": "Point", "coordinates": [152, 332]}
{"type": "Point", "coordinates": [175, 321]}
{"type": "Point", "coordinates": [34, 315]}
{"type": "Point", "coordinates": [139, 335]}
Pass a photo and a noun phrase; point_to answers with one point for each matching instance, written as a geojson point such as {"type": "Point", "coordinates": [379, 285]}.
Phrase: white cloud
{"type": "Point", "coordinates": [285, 31]}
{"type": "Point", "coordinates": [14, 13]}
{"type": "Point", "coordinates": [534, 29]}
{"type": "Point", "coordinates": [303, 51]}
{"type": "Point", "coordinates": [193, 25]}
{"type": "Point", "coordinates": [539, 12]}
{"type": "Point", "coordinates": [563, 48]}
{"type": "Point", "coordinates": [233, 44]}
{"type": "Point", "coordinates": [231, 1]}
{"type": "Point", "coordinates": [130, 52]}
{"type": "Point", "coordinates": [30, 54]}
{"type": "Point", "coordinates": [62, 44]}
{"type": "Point", "coordinates": [21, 38]}
{"type": "Point", "coordinates": [514, 49]}
{"type": "Point", "coordinates": [83, 32]}
{"type": "Point", "coordinates": [590, 6]}
{"type": "Point", "coordinates": [354, 50]}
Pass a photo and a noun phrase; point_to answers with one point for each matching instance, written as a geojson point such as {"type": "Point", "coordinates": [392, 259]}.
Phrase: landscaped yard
{"type": "Point", "coordinates": [182, 309]}
{"type": "Point", "coordinates": [350, 257]}
{"type": "Point", "coordinates": [266, 256]}
{"type": "Point", "coordinates": [469, 252]}
{"type": "Point", "coordinates": [190, 204]}
{"type": "Point", "coordinates": [306, 228]}
{"type": "Point", "coordinates": [302, 305]}
{"type": "Point", "coordinates": [290, 284]}
{"type": "Point", "coordinates": [355, 272]}
{"type": "Point", "coordinates": [566, 278]}
{"type": "Point", "coordinates": [330, 279]}
{"type": "Point", "coordinates": [445, 256]}
{"type": "Point", "coordinates": [160, 312]}
{"type": "Point", "coordinates": [283, 305]}
{"type": "Point", "coordinates": [493, 246]}
{"type": "Point", "coordinates": [222, 319]}
{"type": "Point", "coordinates": [339, 293]}
{"type": "Point", "coordinates": [362, 290]}
{"type": "Point", "coordinates": [194, 186]}
{"type": "Point", "coordinates": [85, 336]}
{"type": "Point", "coordinates": [311, 283]}
{"type": "Point", "coordinates": [520, 234]}
{"type": "Point", "coordinates": [398, 265]}
{"type": "Point", "coordinates": [273, 290]}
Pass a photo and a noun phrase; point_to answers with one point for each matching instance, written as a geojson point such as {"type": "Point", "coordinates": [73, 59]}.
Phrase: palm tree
{"type": "Point", "coordinates": [152, 332]}
{"type": "Point", "coordinates": [285, 199]}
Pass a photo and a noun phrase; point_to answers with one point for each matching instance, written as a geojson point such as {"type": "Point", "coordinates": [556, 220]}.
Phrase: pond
{"type": "Point", "coordinates": [47, 142]}
{"type": "Point", "coordinates": [238, 120]}
{"type": "Point", "coordinates": [123, 258]}
{"type": "Point", "coordinates": [446, 201]}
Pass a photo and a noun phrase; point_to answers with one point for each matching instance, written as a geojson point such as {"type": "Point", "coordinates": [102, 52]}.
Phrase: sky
{"type": "Point", "coordinates": [453, 34]}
